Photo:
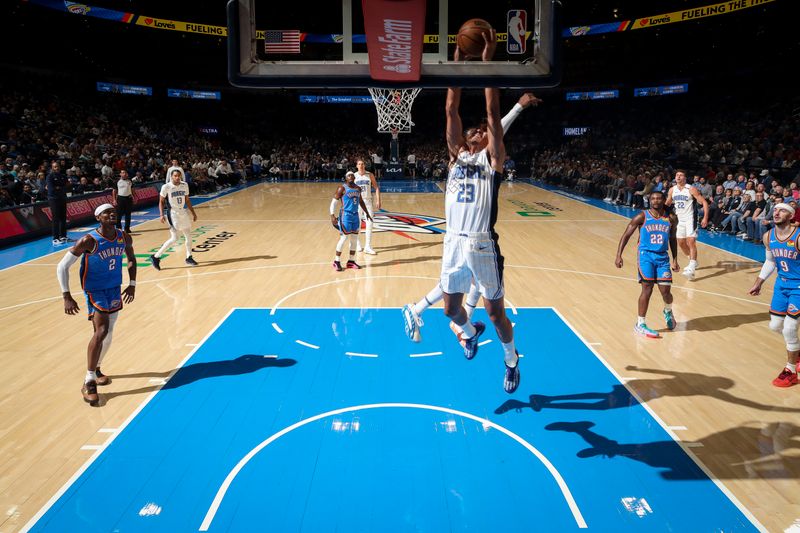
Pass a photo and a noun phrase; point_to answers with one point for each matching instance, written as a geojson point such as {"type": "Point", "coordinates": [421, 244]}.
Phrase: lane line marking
{"type": "Point", "coordinates": [276, 327]}
{"type": "Point", "coordinates": [309, 345]}
{"type": "Point", "coordinates": [356, 354]}
{"type": "Point", "coordinates": [428, 354]}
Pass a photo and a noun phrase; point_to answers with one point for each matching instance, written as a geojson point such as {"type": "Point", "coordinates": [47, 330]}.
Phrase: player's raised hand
{"type": "Point", "coordinates": [458, 55]}
{"type": "Point", "coordinates": [490, 40]}
{"type": "Point", "coordinates": [529, 99]}
{"type": "Point", "coordinates": [70, 305]}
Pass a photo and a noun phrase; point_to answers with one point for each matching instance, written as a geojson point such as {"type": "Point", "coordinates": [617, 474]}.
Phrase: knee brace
{"type": "Point", "coordinates": [776, 323]}
{"type": "Point", "coordinates": [790, 334]}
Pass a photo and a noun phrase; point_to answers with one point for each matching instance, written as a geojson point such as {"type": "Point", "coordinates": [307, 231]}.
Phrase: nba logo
{"type": "Point", "coordinates": [517, 30]}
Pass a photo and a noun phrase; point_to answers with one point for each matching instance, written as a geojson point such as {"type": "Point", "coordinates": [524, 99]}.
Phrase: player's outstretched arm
{"type": "Point", "coordinates": [453, 131]}
{"type": "Point", "coordinates": [364, 208]}
{"type": "Point", "coordinates": [525, 101]}
{"type": "Point", "coordinates": [191, 208]}
{"type": "Point", "coordinates": [84, 244]}
{"type": "Point", "coordinates": [377, 190]}
{"type": "Point", "coordinates": [130, 291]}
{"type": "Point", "coordinates": [337, 196]}
{"type": "Point", "coordinates": [701, 200]}
{"type": "Point", "coordinates": [673, 241]}
{"type": "Point", "coordinates": [766, 270]}
{"type": "Point", "coordinates": [634, 224]}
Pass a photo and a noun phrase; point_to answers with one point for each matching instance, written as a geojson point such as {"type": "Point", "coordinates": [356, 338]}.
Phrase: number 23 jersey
{"type": "Point", "coordinates": [471, 197]}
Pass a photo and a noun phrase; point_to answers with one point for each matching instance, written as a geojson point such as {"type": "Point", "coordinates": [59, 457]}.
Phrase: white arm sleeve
{"type": "Point", "coordinates": [62, 271]}
{"type": "Point", "coordinates": [509, 119]}
{"type": "Point", "coordinates": [334, 203]}
{"type": "Point", "coordinates": [769, 266]}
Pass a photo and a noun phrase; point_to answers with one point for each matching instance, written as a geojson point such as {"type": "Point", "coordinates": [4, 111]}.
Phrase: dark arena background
{"type": "Point", "coordinates": [253, 385]}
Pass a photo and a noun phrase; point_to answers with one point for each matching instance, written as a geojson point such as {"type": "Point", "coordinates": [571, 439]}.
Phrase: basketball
{"type": "Point", "coordinates": [470, 36]}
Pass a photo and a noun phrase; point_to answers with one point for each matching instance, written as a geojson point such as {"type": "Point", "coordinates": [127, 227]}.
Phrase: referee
{"type": "Point", "coordinates": [123, 199]}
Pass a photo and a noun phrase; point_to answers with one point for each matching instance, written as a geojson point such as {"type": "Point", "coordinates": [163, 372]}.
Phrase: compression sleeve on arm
{"type": "Point", "coordinates": [769, 266]}
{"type": "Point", "coordinates": [509, 119]}
{"type": "Point", "coordinates": [62, 271]}
{"type": "Point", "coordinates": [334, 203]}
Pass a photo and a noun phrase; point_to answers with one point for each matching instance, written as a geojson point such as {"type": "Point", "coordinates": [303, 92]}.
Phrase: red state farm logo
{"type": "Point", "coordinates": [148, 21]}
{"type": "Point", "coordinates": [643, 22]}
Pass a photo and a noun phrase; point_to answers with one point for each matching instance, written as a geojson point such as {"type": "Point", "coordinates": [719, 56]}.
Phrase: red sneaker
{"type": "Point", "coordinates": [352, 264]}
{"type": "Point", "coordinates": [786, 378]}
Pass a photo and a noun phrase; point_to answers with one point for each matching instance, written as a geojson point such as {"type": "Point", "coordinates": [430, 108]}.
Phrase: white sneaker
{"type": "Point", "coordinates": [370, 251]}
{"type": "Point", "coordinates": [689, 273]}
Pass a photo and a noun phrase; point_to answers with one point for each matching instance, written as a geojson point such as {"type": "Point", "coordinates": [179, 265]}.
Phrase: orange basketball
{"type": "Point", "coordinates": [470, 36]}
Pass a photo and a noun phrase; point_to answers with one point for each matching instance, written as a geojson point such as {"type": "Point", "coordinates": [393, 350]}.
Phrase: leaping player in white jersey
{"type": "Point", "coordinates": [366, 180]}
{"type": "Point", "coordinates": [471, 252]}
{"type": "Point", "coordinates": [412, 313]}
{"type": "Point", "coordinates": [685, 198]}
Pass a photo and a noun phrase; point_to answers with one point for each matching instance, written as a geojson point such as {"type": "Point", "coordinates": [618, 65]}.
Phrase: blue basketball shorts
{"type": "Point", "coordinates": [785, 298]}
{"type": "Point", "coordinates": [654, 267]}
{"type": "Point", "coordinates": [105, 300]}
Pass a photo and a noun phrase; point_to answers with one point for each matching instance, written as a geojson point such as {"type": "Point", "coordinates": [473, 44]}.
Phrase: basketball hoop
{"type": "Point", "coordinates": [394, 109]}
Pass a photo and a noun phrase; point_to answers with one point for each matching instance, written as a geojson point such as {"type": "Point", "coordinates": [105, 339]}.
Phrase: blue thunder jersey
{"type": "Point", "coordinates": [350, 201]}
{"type": "Point", "coordinates": [102, 268]}
{"type": "Point", "coordinates": [654, 234]}
{"type": "Point", "coordinates": [785, 254]}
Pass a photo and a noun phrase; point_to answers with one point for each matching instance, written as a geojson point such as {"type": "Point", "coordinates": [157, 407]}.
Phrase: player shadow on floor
{"type": "Point", "coordinates": [768, 452]}
{"type": "Point", "coordinates": [678, 384]}
{"type": "Point", "coordinates": [202, 262]}
{"type": "Point", "coordinates": [727, 267]}
{"type": "Point", "coordinates": [409, 246]}
{"type": "Point", "coordinates": [405, 261]}
{"type": "Point", "coordinates": [186, 375]}
{"type": "Point", "coordinates": [718, 322]}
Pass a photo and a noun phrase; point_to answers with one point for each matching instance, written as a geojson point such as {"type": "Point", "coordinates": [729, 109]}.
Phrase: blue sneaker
{"type": "Point", "coordinates": [670, 319]}
{"type": "Point", "coordinates": [511, 379]}
{"type": "Point", "coordinates": [644, 331]}
{"type": "Point", "coordinates": [412, 322]}
{"type": "Point", "coordinates": [471, 344]}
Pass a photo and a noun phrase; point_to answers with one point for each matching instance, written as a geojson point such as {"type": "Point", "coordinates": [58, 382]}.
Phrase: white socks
{"type": "Point", "coordinates": [510, 353]}
{"type": "Point", "coordinates": [91, 375]}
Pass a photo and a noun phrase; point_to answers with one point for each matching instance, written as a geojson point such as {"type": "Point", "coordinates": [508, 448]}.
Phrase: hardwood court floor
{"type": "Point", "coordinates": [709, 380]}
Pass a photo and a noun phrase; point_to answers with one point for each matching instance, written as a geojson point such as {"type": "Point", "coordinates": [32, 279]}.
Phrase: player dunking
{"type": "Point", "coordinates": [349, 221]}
{"type": "Point", "coordinates": [175, 198]}
{"type": "Point", "coordinates": [471, 250]}
{"type": "Point", "coordinates": [412, 313]}
{"type": "Point", "coordinates": [101, 251]}
{"type": "Point", "coordinates": [685, 198]}
{"type": "Point", "coordinates": [366, 180]}
{"type": "Point", "coordinates": [656, 232]}
{"type": "Point", "coordinates": [782, 244]}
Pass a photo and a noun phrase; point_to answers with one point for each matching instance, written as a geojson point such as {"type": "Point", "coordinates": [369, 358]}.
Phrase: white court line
{"type": "Point", "coordinates": [356, 354]}
{"type": "Point", "coordinates": [91, 446]}
{"type": "Point", "coordinates": [677, 428]}
{"type": "Point", "coordinates": [483, 343]}
{"type": "Point", "coordinates": [595, 344]}
{"type": "Point", "coordinates": [158, 381]}
{"type": "Point", "coordinates": [303, 343]}
{"type": "Point", "coordinates": [346, 280]}
{"type": "Point", "coordinates": [684, 445]}
{"type": "Point", "coordinates": [428, 354]}
{"type": "Point", "coordinates": [191, 345]}
{"type": "Point", "coordinates": [270, 357]}
{"type": "Point", "coordinates": [693, 444]}
{"type": "Point", "coordinates": [212, 510]}
{"type": "Point", "coordinates": [276, 327]}
{"type": "Point", "coordinates": [105, 445]}
{"type": "Point", "coordinates": [107, 430]}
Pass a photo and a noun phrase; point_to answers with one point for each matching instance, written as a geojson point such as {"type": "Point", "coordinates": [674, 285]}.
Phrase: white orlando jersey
{"type": "Point", "coordinates": [684, 202]}
{"type": "Point", "coordinates": [365, 183]}
{"type": "Point", "coordinates": [470, 204]}
{"type": "Point", "coordinates": [177, 195]}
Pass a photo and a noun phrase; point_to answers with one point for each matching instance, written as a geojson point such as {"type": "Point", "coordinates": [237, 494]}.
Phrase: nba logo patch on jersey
{"type": "Point", "coordinates": [517, 29]}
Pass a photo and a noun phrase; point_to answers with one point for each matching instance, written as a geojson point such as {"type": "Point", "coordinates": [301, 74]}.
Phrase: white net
{"type": "Point", "coordinates": [394, 109]}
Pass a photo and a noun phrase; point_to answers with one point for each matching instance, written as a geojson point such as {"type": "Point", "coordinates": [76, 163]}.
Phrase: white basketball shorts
{"type": "Point", "coordinates": [687, 228]}
{"type": "Point", "coordinates": [468, 258]}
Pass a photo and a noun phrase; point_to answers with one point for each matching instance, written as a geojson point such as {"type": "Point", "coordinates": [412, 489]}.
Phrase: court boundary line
{"type": "Point", "coordinates": [720, 485]}
{"type": "Point", "coordinates": [220, 495]}
{"type": "Point", "coordinates": [71, 481]}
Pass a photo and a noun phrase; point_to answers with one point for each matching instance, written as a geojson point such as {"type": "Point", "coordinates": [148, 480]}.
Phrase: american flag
{"type": "Point", "coordinates": [282, 41]}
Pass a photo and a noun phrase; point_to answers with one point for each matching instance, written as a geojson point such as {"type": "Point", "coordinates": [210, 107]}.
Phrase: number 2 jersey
{"type": "Point", "coordinates": [102, 267]}
{"type": "Point", "coordinates": [471, 198]}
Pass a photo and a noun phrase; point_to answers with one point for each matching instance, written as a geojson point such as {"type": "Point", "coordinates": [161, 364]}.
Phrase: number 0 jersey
{"type": "Point", "coordinates": [471, 197]}
{"type": "Point", "coordinates": [654, 234]}
{"type": "Point", "coordinates": [102, 268]}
